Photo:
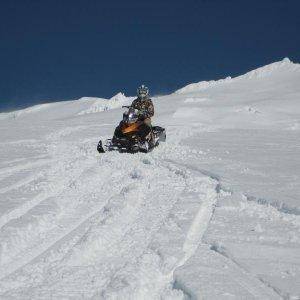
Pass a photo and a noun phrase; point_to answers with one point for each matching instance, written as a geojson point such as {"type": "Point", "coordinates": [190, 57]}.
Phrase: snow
{"type": "Point", "coordinates": [65, 109]}
{"type": "Point", "coordinates": [282, 66]}
{"type": "Point", "coordinates": [213, 213]}
{"type": "Point", "coordinates": [202, 85]}
{"type": "Point", "coordinates": [99, 105]}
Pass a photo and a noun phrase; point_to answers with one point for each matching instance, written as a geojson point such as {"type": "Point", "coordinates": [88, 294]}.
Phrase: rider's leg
{"type": "Point", "coordinates": [150, 136]}
{"type": "Point", "coordinates": [146, 135]}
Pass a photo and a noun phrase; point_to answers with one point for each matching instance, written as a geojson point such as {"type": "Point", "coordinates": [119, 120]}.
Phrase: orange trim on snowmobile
{"type": "Point", "coordinates": [131, 128]}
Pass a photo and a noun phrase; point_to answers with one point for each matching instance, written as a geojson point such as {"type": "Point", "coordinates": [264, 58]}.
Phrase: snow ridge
{"type": "Point", "coordinates": [193, 87]}
{"type": "Point", "coordinates": [100, 105]}
{"type": "Point", "coordinates": [283, 65]}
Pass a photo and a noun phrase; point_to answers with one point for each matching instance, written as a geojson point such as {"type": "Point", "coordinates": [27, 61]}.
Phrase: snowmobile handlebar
{"type": "Point", "coordinates": [140, 112]}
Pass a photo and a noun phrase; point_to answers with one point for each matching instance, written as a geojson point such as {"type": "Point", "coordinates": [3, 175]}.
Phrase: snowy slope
{"type": "Point", "coordinates": [214, 213]}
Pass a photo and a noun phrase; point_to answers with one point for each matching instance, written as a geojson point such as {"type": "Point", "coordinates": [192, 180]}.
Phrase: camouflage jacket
{"type": "Point", "coordinates": [144, 106]}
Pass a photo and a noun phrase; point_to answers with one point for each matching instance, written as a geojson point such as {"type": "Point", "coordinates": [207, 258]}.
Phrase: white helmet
{"type": "Point", "coordinates": [142, 92]}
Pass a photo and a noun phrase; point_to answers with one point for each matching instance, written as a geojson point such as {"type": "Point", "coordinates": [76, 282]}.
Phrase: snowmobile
{"type": "Point", "coordinates": [127, 135]}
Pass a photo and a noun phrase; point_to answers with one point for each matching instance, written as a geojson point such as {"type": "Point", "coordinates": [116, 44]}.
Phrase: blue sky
{"type": "Point", "coordinates": [58, 50]}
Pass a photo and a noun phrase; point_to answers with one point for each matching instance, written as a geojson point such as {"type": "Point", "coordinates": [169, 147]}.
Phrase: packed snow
{"type": "Point", "coordinates": [213, 213]}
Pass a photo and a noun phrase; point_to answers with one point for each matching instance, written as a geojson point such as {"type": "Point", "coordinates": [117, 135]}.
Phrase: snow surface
{"type": "Point", "coordinates": [214, 213]}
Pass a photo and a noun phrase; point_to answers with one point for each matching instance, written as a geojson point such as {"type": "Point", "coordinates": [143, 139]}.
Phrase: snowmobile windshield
{"type": "Point", "coordinates": [132, 115]}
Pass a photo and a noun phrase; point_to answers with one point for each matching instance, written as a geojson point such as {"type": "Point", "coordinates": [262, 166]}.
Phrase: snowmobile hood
{"type": "Point", "coordinates": [130, 127]}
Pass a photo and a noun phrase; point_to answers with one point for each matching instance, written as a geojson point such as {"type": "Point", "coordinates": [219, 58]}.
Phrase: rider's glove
{"type": "Point", "coordinates": [143, 113]}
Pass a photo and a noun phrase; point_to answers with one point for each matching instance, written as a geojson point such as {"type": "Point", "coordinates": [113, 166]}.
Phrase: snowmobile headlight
{"type": "Point", "coordinates": [132, 117]}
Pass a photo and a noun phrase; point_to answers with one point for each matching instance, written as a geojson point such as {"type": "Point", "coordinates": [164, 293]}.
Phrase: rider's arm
{"type": "Point", "coordinates": [150, 109]}
{"type": "Point", "coordinates": [133, 104]}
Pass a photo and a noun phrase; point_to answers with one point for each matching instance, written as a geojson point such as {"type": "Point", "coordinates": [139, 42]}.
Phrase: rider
{"type": "Point", "coordinates": [146, 111]}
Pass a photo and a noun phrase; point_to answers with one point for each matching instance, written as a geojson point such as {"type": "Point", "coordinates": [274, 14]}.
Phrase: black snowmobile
{"type": "Point", "coordinates": [128, 135]}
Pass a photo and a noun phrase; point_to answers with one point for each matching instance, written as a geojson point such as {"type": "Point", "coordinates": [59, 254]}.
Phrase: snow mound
{"type": "Point", "coordinates": [194, 87]}
{"type": "Point", "coordinates": [284, 65]}
{"type": "Point", "coordinates": [101, 104]}
{"type": "Point", "coordinates": [17, 113]}
{"type": "Point", "coordinates": [63, 109]}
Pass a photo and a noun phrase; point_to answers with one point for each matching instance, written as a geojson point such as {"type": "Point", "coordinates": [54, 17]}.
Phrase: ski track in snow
{"type": "Point", "coordinates": [20, 183]}
{"type": "Point", "coordinates": [8, 171]}
{"type": "Point", "coordinates": [92, 224]}
{"type": "Point", "coordinates": [223, 252]}
{"type": "Point", "coordinates": [107, 221]}
{"type": "Point", "coordinates": [112, 220]}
